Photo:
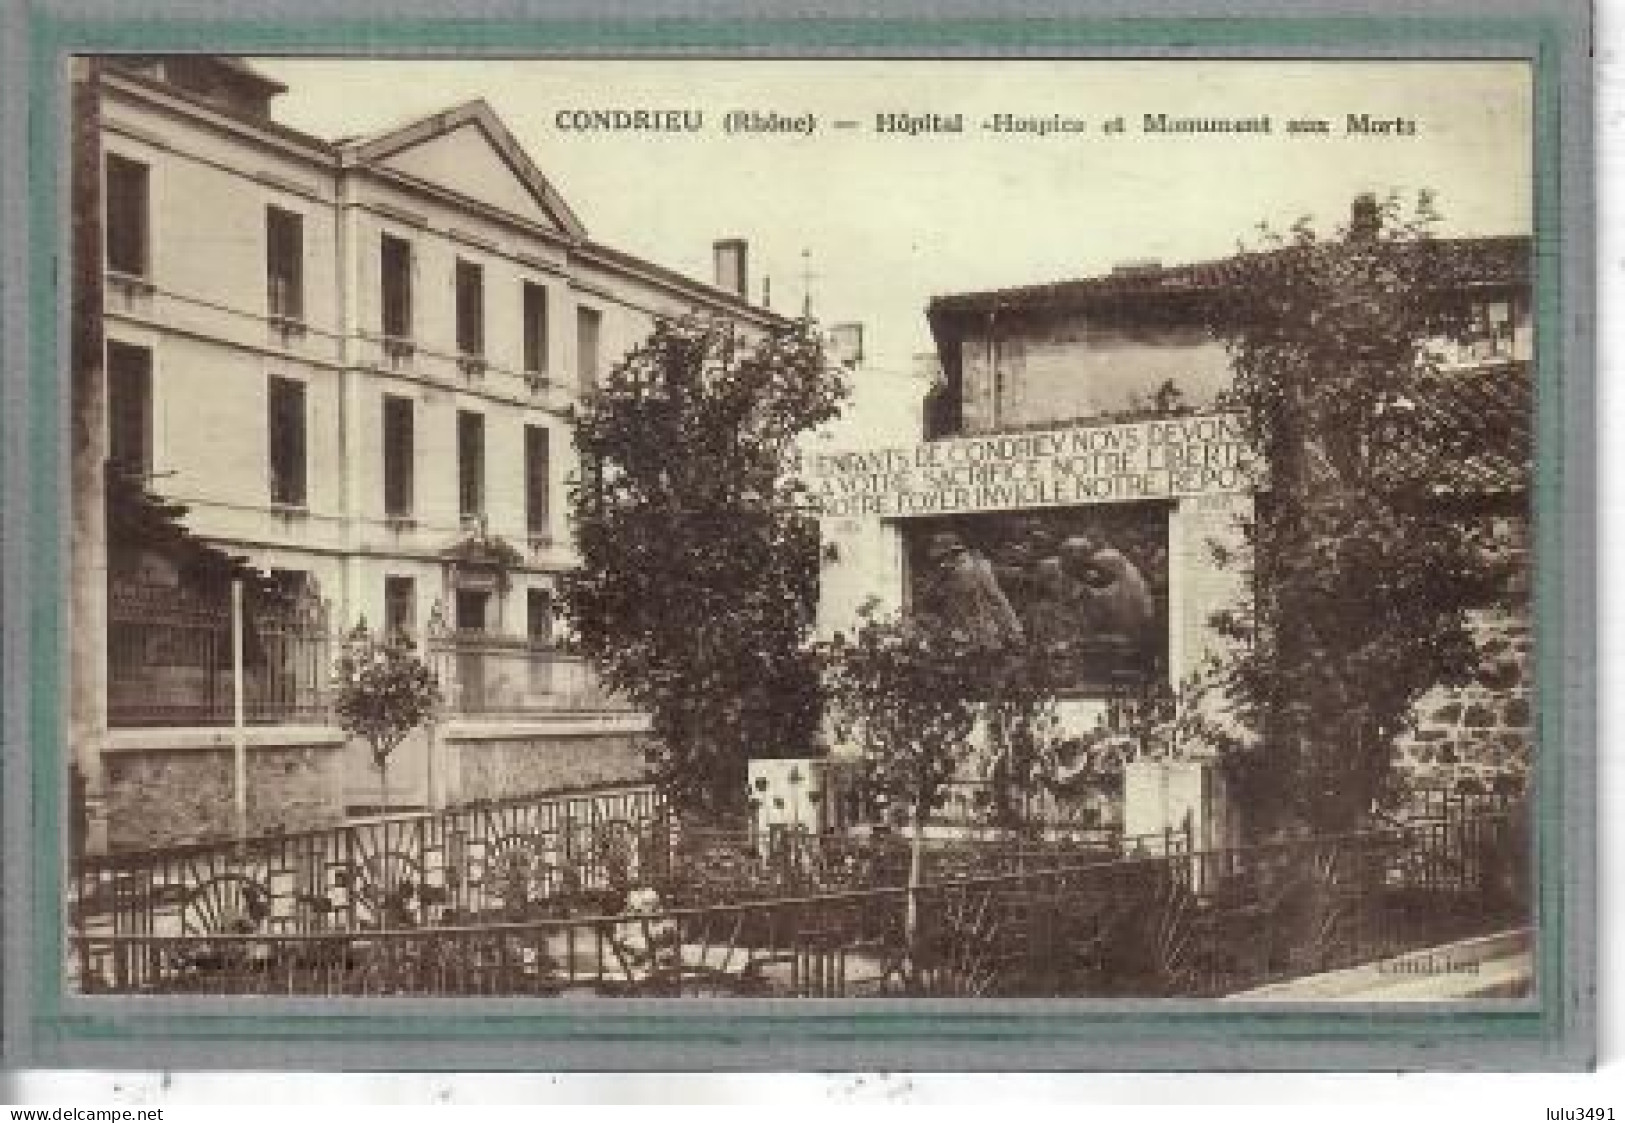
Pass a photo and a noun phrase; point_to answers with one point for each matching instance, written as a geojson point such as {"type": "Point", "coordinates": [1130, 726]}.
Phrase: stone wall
{"type": "Point", "coordinates": [503, 768]}
{"type": "Point", "coordinates": [163, 796]}
{"type": "Point", "coordinates": [294, 788]}
{"type": "Point", "coordinates": [1486, 728]}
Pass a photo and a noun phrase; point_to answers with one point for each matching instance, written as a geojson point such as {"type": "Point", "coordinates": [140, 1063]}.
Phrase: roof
{"type": "Point", "coordinates": [268, 125]}
{"type": "Point", "coordinates": [479, 114]}
{"type": "Point", "coordinates": [1499, 260]}
{"type": "Point", "coordinates": [1469, 432]}
{"type": "Point", "coordinates": [378, 146]}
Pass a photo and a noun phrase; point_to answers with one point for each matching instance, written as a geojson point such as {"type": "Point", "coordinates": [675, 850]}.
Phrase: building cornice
{"type": "Point", "coordinates": [327, 157]}
{"type": "Point", "coordinates": [266, 134]}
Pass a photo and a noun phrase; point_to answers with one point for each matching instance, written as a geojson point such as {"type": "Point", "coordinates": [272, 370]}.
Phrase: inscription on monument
{"type": "Point", "coordinates": [1160, 459]}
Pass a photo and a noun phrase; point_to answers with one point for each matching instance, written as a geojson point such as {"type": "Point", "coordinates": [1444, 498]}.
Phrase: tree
{"type": "Point", "coordinates": [909, 693]}
{"type": "Point", "coordinates": [698, 581]}
{"type": "Point", "coordinates": [382, 691]}
{"type": "Point", "coordinates": [1359, 581]}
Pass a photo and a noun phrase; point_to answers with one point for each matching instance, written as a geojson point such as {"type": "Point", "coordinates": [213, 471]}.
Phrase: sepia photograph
{"type": "Point", "coordinates": [801, 529]}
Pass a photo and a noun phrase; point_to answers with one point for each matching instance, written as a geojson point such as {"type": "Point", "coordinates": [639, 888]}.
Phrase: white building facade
{"type": "Point", "coordinates": [352, 362]}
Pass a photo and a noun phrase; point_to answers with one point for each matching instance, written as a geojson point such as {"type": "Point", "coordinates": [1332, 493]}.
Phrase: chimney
{"type": "Point", "coordinates": [846, 343]}
{"type": "Point", "coordinates": [1365, 218]}
{"type": "Point", "coordinates": [728, 255]}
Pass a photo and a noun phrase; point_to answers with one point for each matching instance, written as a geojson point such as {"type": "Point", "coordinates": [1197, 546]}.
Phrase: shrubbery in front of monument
{"type": "Point", "coordinates": [909, 696]}
{"type": "Point", "coordinates": [698, 584]}
{"type": "Point", "coordinates": [1359, 578]}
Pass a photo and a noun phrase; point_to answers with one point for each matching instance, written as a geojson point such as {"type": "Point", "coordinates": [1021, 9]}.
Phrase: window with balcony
{"type": "Point", "coordinates": [470, 464]}
{"type": "Point", "coordinates": [398, 456]}
{"type": "Point", "coordinates": [589, 329]}
{"type": "Point", "coordinates": [284, 265]}
{"type": "Point", "coordinates": [535, 316]}
{"type": "Point", "coordinates": [127, 233]}
{"type": "Point", "coordinates": [536, 480]}
{"type": "Point", "coordinates": [470, 311]}
{"type": "Point", "coordinates": [395, 272]}
{"type": "Point", "coordinates": [129, 409]}
{"type": "Point", "coordinates": [287, 441]}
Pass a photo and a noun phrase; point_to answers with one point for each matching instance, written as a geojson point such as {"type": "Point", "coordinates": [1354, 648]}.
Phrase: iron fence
{"type": "Point", "coordinates": [513, 860]}
{"type": "Point", "coordinates": [713, 866]}
{"type": "Point", "coordinates": [1197, 924]}
{"type": "Point", "coordinates": [492, 675]}
{"type": "Point", "coordinates": [169, 659]}
{"type": "Point", "coordinates": [482, 860]}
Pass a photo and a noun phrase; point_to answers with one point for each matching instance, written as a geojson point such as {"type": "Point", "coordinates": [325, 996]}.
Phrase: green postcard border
{"type": "Point", "coordinates": [1550, 1031]}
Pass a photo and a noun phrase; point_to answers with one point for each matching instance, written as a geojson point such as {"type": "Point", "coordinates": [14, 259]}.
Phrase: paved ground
{"type": "Point", "coordinates": [1495, 966]}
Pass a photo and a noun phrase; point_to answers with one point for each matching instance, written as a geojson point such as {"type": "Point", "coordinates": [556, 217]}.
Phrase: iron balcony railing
{"type": "Point", "coordinates": [169, 660]}
{"type": "Point", "coordinates": [170, 664]}
{"type": "Point", "coordinates": [495, 676]}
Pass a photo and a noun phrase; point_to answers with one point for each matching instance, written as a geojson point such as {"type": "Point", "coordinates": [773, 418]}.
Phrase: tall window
{"type": "Point", "coordinates": [129, 408]}
{"type": "Point", "coordinates": [539, 615]}
{"type": "Point", "coordinates": [395, 265]}
{"type": "Point", "coordinates": [287, 441]}
{"type": "Point", "coordinates": [589, 325]}
{"type": "Point", "coordinates": [470, 606]}
{"type": "Point", "coordinates": [398, 454]}
{"type": "Point", "coordinates": [470, 463]}
{"type": "Point", "coordinates": [470, 308]}
{"type": "Point", "coordinates": [535, 313]}
{"type": "Point", "coordinates": [284, 263]}
{"type": "Point", "coordinates": [127, 217]}
{"type": "Point", "coordinates": [536, 481]}
{"type": "Point", "coordinates": [400, 607]}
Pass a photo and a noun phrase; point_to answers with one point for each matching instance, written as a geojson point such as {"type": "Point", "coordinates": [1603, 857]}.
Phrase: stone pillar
{"type": "Point", "coordinates": [863, 561]}
{"type": "Point", "coordinates": [87, 549]}
{"type": "Point", "coordinates": [347, 272]}
{"type": "Point", "coordinates": [1198, 586]}
{"type": "Point", "coordinates": [1171, 804]}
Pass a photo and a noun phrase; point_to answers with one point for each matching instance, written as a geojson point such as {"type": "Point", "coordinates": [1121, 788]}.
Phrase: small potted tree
{"type": "Point", "coordinates": [908, 695]}
{"type": "Point", "coordinates": [382, 691]}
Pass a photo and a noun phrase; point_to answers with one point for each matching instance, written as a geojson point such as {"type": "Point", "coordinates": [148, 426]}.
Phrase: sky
{"type": "Point", "coordinates": [884, 222]}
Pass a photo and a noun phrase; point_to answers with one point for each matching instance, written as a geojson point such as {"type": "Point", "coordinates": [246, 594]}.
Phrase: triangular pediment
{"type": "Point", "coordinates": [468, 150]}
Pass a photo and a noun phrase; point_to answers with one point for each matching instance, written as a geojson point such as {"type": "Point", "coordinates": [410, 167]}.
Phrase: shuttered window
{"type": "Point", "coordinates": [129, 408]}
{"type": "Point", "coordinates": [127, 216]}
{"type": "Point", "coordinates": [470, 463]}
{"type": "Point", "coordinates": [398, 455]}
{"type": "Point", "coordinates": [284, 263]}
{"type": "Point", "coordinates": [535, 314]}
{"type": "Point", "coordinates": [589, 328]}
{"type": "Point", "coordinates": [395, 265]}
{"type": "Point", "coordinates": [287, 441]}
{"type": "Point", "coordinates": [470, 308]}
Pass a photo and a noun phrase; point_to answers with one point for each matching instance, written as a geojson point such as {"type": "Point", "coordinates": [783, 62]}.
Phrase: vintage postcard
{"type": "Point", "coordinates": [564, 542]}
